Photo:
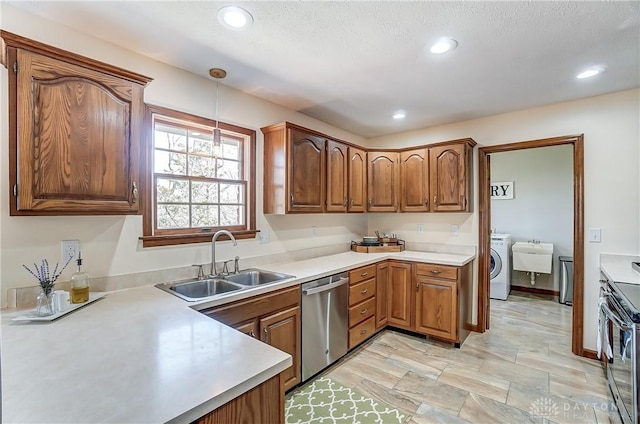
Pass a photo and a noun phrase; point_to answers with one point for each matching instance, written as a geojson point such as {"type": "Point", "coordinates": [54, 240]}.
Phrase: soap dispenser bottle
{"type": "Point", "coordinates": [79, 284]}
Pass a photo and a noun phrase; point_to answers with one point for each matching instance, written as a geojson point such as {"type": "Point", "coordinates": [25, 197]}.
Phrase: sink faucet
{"type": "Point", "coordinates": [214, 271]}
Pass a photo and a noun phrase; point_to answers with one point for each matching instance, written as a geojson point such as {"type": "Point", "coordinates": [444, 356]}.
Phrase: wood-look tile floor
{"type": "Point", "coordinates": [520, 371]}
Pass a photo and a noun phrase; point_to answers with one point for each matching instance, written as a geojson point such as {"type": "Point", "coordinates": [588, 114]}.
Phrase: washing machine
{"type": "Point", "coordinates": [500, 266]}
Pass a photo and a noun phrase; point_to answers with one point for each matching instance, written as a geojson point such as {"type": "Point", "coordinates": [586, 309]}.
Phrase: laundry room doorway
{"type": "Point", "coordinates": [486, 243]}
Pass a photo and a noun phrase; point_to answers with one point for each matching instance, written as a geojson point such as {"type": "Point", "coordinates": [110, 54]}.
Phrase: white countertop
{"type": "Point", "coordinates": [143, 355]}
{"type": "Point", "coordinates": [618, 268]}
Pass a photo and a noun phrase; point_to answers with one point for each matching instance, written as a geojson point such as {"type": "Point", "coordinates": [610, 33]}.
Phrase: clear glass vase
{"type": "Point", "coordinates": [44, 303]}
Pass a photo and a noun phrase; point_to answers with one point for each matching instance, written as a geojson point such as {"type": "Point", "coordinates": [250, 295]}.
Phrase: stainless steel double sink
{"type": "Point", "coordinates": [199, 289]}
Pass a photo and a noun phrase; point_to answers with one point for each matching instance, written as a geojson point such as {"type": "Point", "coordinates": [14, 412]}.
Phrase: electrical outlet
{"type": "Point", "coordinates": [314, 231]}
{"type": "Point", "coordinates": [420, 228]}
{"type": "Point", "coordinates": [455, 230]}
{"type": "Point", "coordinates": [70, 249]}
{"type": "Point", "coordinates": [263, 236]}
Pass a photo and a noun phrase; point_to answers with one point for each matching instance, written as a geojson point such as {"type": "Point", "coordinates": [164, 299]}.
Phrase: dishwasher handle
{"type": "Point", "coordinates": [326, 287]}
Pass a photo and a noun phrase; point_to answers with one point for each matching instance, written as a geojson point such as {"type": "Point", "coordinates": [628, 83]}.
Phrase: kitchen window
{"type": "Point", "coordinates": [196, 186]}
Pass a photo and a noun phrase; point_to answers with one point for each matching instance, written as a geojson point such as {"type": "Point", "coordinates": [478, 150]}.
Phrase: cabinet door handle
{"type": "Point", "coordinates": [364, 311]}
{"type": "Point", "coordinates": [369, 203]}
{"type": "Point", "coordinates": [417, 287]}
{"type": "Point", "coordinates": [252, 334]}
{"type": "Point", "coordinates": [363, 332]}
{"type": "Point", "coordinates": [426, 201]}
{"type": "Point", "coordinates": [351, 200]}
{"type": "Point", "coordinates": [344, 203]}
{"type": "Point", "coordinates": [134, 192]}
{"type": "Point", "coordinates": [364, 291]}
{"type": "Point", "coordinates": [292, 199]}
{"type": "Point", "coordinates": [434, 200]}
{"type": "Point", "coordinates": [435, 271]}
{"type": "Point", "coordinates": [266, 335]}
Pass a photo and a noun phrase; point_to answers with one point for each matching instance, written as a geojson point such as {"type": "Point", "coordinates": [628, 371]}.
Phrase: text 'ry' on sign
{"type": "Point", "coordinates": [502, 190]}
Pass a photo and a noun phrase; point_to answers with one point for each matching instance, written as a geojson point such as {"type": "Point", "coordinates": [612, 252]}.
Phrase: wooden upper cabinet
{"type": "Point", "coordinates": [294, 170]}
{"type": "Point", "coordinates": [357, 180]}
{"type": "Point", "coordinates": [450, 172]}
{"type": "Point", "coordinates": [383, 176]}
{"type": "Point", "coordinates": [307, 172]}
{"type": "Point", "coordinates": [337, 176]}
{"type": "Point", "coordinates": [75, 132]}
{"type": "Point", "coordinates": [414, 181]}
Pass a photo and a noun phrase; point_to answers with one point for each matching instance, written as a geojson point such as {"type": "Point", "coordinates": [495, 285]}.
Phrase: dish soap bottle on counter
{"type": "Point", "coordinates": [79, 284]}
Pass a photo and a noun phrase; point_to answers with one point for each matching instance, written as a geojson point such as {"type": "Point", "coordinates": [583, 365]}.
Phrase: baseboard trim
{"type": "Point", "coordinates": [591, 354]}
{"type": "Point", "coordinates": [535, 290]}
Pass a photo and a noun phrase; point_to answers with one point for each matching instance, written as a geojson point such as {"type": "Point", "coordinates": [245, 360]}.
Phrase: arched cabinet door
{"type": "Point", "coordinates": [414, 181]}
{"type": "Point", "coordinates": [76, 134]}
{"type": "Point", "coordinates": [383, 184]}
{"type": "Point", "coordinates": [357, 180]}
{"type": "Point", "coordinates": [337, 175]}
{"type": "Point", "coordinates": [450, 178]}
{"type": "Point", "coordinates": [306, 172]}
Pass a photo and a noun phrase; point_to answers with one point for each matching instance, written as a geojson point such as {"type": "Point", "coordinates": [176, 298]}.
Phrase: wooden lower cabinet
{"type": "Point", "coordinates": [278, 330]}
{"type": "Point", "coordinates": [436, 307]}
{"type": "Point", "coordinates": [400, 300]}
{"type": "Point", "coordinates": [362, 304]}
{"type": "Point", "coordinates": [431, 299]}
{"type": "Point", "coordinates": [264, 404]}
{"type": "Point", "coordinates": [382, 290]}
{"type": "Point", "coordinates": [273, 318]}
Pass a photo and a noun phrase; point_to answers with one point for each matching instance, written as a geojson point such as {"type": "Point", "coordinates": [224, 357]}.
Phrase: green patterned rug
{"type": "Point", "coordinates": [327, 402]}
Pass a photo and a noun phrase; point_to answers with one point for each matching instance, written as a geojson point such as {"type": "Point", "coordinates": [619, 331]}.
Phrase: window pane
{"type": "Point", "coordinates": [231, 149]}
{"type": "Point", "coordinates": [228, 170]}
{"type": "Point", "coordinates": [200, 143]}
{"type": "Point", "coordinates": [231, 193]}
{"type": "Point", "coordinates": [173, 216]}
{"type": "Point", "coordinates": [231, 215]}
{"type": "Point", "coordinates": [201, 166]}
{"type": "Point", "coordinates": [170, 163]}
{"type": "Point", "coordinates": [203, 192]}
{"type": "Point", "coordinates": [204, 216]}
{"type": "Point", "coordinates": [169, 190]}
{"type": "Point", "coordinates": [168, 137]}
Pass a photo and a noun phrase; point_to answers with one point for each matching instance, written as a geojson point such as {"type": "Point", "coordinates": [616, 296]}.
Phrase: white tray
{"type": "Point", "coordinates": [31, 315]}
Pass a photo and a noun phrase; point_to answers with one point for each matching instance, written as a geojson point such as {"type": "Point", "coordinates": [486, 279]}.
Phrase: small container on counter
{"type": "Point", "coordinates": [79, 284]}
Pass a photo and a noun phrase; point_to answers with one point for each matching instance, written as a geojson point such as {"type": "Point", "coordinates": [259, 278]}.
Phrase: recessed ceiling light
{"type": "Point", "coordinates": [235, 17]}
{"type": "Point", "coordinates": [591, 72]}
{"type": "Point", "coordinates": [443, 45]}
{"type": "Point", "coordinates": [399, 115]}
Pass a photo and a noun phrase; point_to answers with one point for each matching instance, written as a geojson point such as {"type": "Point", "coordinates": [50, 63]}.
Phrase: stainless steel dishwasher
{"type": "Point", "coordinates": [324, 322]}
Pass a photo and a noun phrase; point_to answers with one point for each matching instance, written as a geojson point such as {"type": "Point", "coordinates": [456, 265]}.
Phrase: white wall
{"type": "Point", "coordinates": [542, 207]}
{"type": "Point", "coordinates": [110, 244]}
{"type": "Point", "coordinates": [611, 128]}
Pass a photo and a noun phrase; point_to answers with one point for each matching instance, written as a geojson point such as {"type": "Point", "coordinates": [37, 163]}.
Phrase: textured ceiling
{"type": "Point", "coordinates": [353, 63]}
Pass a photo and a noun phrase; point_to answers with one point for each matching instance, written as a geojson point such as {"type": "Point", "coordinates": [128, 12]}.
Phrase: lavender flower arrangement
{"type": "Point", "coordinates": [45, 278]}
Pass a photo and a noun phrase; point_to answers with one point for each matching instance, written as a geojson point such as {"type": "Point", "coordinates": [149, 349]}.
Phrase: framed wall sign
{"type": "Point", "coordinates": [502, 190]}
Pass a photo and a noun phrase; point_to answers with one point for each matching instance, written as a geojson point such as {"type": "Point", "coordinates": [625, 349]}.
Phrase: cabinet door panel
{"type": "Point", "coordinates": [250, 328]}
{"type": "Point", "coordinates": [357, 180]}
{"type": "Point", "coordinates": [400, 294]}
{"type": "Point", "coordinates": [448, 178]}
{"type": "Point", "coordinates": [306, 172]}
{"type": "Point", "coordinates": [382, 181]}
{"type": "Point", "coordinates": [337, 161]}
{"type": "Point", "coordinates": [78, 138]}
{"type": "Point", "coordinates": [382, 290]}
{"type": "Point", "coordinates": [414, 181]}
{"type": "Point", "coordinates": [436, 308]}
{"type": "Point", "coordinates": [282, 331]}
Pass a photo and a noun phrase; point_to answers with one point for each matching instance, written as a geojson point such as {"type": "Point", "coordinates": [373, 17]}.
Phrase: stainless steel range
{"type": "Point", "coordinates": [620, 337]}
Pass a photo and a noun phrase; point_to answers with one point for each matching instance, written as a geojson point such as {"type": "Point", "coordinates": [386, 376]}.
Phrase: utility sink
{"type": "Point", "coordinates": [255, 277]}
{"type": "Point", "coordinates": [193, 290]}
{"type": "Point", "coordinates": [532, 257]}
{"type": "Point", "coordinates": [533, 248]}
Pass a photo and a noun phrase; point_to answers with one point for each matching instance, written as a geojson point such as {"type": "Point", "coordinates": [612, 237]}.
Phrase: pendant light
{"type": "Point", "coordinates": [218, 74]}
